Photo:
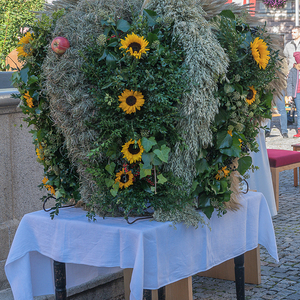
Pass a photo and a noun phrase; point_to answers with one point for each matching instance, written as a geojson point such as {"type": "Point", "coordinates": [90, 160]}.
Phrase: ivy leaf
{"type": "Point", "coordinates": [224, 140]}
{"type": "Point", "coordinates": [161, 179]}
{"type": "Point", "coordinates": [208, 211]}
{"type": "Point", "coordinates": [32, 79]}
{"type": "Point", "coordinates": [109, 182]}
{"type": "Point", "coordinates": [24, 74]}
{"type": "Point", "coordinates": [123, 25]}
{"type": "Point", "coordinates": [114, 190]}
{"type": "Point", "coordinates": [110, 168]}
{"type": "Point", "coordinates": [156, 161]}
{"type": "Point", "coordinates": [111, 60]}
{"type": "Point", "coordinates": [163, 153]}
{"type": "Point", "coordinates": [144, 172]}
{"type": "Point", "coordinates": [148, 143]}
{"type": "Point", "coordinates": [151, 37]}
{"type": "Point", "coordinates": [151, 16]}
{"type": "Point", "coordinates": [194, 185]}
{"type": "Point", "coordinates": [201, 166]}
{"type": "Point", "coordinates": [147, 160]}
{"type": "Point", "coordinates": [228, 14]}
{"type": "Point", "coordinates": [221, 117]}
{"type": "Point", "coordinates": [244, 164]}
{"type": "Point", "coordinates": [58, 194]}
{"type": "Point", "coordinates": [105, 53]}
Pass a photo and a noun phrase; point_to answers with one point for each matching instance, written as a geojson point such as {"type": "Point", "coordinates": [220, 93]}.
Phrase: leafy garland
{"type": "Point", "coordinates": [138, 110]}
{"type": "Point", "coordinates": [135, 72]}
{"type": "Point", "coordinates": [60, 177]}
{"type": "Point", "coordinates": [245, 100]}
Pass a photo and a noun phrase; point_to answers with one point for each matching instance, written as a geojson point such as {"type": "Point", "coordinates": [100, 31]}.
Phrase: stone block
{"type": "Point", "coordinates": [3, 281]}
{"type": "Point", "coordinates": [7, 233]}
{"type": "Point", "coordinates": [6, 203]}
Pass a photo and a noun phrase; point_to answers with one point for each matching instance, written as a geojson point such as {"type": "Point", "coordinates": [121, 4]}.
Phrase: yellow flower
{"type": "Point", "coordinates": [222, 173]}
{"type": "Point", "coordinates": [131, 101]}
{"type": "Point", "coordinates": [50, 188]}
{"type": "Point", "coordinates": [26, 39]}
{"type": "Point", "coordinates": [229, 132]}
{"type": "Point", "coordinates": [240, 142]}
{"type": "Point", "coordinates": [260, 52]}
{"type": "Point", "coordinates": [133, 151]}
{"type": "Point", "coordinates": [125, 179]}
{"type": "Point", "coordinates": [135, 45]}
{"type": "Point", "coordinates": [39, 152]}
{"type": "Point", "coordinates": [29, 100]}
{"type": "Point", "coordinates": [251, 95]}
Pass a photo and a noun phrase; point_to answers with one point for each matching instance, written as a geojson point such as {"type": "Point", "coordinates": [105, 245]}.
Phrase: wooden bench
{"type": "Point", "coordinates": [281, 160]}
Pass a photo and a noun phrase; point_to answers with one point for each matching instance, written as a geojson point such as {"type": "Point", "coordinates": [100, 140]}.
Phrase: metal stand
{"type": "Point", "coordinates": [60, 280]}
{"type": "Point", "coordinates": [239, 277]}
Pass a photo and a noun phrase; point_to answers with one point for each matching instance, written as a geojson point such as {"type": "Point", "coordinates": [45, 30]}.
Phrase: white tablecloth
{"type": "Point", "coordinates": [158, 253]}
{"type": "Point", "coordinates": [261, 179]}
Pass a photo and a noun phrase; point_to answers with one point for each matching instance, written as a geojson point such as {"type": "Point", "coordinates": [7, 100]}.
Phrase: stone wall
{"type": "Point", "coordinates": [20, 173]}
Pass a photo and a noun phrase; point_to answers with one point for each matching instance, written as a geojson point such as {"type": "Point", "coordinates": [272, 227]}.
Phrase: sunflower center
{"type": "Point", "coordinates": [124, 178]}
{"type": "Point", "coordinates": [250, 94]}
{"type": "Point", "coordinates": [134, 149]}
{"type": "Point", "coordinates": [131, 100]}
{"type": "Point", "coordinates": [135, 47]}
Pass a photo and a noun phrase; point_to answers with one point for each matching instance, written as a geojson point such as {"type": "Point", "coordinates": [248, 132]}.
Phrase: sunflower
{"type": "Point", "coordinates": [222, 173]}
{"type": "Point", "coordinates": [251, 95]}
{"type": "Point", "coordinates": [125, 179]}
{"type": "Point", "coordinates": [50, 188]}
{"type": "Point", "coordinates": [135, 45]}
{"type": "Point", "coordinates": [132, 151]}
{"type": "Point", "coordinates": [260, 52]}
{"type": "Point", "coordinates": [25, 40]}
{"type": "Point", "coordinates": [29, 100]}
{"type": "Point", "coordinates": [131, 101]}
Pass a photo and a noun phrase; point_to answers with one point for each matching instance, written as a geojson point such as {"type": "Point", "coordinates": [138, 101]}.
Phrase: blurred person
{"type": "Point", "coordinates": [293, 88]}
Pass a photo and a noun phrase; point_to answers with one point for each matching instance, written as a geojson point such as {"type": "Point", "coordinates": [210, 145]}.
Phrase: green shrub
{"type": "Point", "coordinates": [15, 14]}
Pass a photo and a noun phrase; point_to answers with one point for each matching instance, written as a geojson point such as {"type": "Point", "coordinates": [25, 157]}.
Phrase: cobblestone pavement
{"type": "Point", "coordinates": [278, 280]}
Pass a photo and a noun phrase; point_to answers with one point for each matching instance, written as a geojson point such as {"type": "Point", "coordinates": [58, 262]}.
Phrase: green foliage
{"type": "Point", "coordinates": [14, 15]}
{"type": "Point", "coordinates": [158, 76]}
{"type": "Point", "coordinates": [240, 112]}
{"type": "Point", "coordinates": [60, 175]}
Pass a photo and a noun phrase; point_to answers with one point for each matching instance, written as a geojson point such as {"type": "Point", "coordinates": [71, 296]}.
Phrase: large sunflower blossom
{"type": "Point", "coordinates": [251, 95]}
{"type": "Point", "coordinates": [29, 100]}
{"type": "Point", "coordinates": [26, 39]}
{"type": "Point", "coordinates": [132, 151]}
{"type": "Point", "coordinates": [135, 45]}
{"type": "Point", "coordinates": [125, 179]}
{"type": "Point", "coordinates": [222, 173]}
{"type": "Point", "coordinates": [50, 188]}
{"type": "Point", "coordinates": [260, 52]}
{"type": "Point", "coordinates": [131, 101]}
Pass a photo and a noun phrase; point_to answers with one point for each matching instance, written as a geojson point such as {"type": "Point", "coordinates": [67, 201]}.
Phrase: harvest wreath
{"type": "Point", "coordinates": [145, 108]}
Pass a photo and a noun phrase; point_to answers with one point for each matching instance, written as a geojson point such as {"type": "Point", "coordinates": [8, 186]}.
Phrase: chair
{"type": "Point", "coordinates": [281, 160]}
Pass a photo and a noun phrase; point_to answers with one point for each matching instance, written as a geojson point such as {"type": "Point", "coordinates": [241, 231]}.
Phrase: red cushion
{"type": "Point", "coordinates": [278, 158]}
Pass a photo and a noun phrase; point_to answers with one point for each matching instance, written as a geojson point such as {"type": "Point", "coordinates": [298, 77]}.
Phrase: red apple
{"type": "Point", "coordinates": [60, 44]}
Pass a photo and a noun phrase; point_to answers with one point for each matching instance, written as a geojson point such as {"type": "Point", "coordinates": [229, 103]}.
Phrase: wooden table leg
{"type": "Point", "coordinates": [239, 277]}
{"type": "Point", "coordinates": [60, 280]}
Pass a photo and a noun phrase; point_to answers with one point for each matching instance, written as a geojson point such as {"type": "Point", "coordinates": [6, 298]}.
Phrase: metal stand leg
{"type": "Point", "coordinates": [60, 280]}
{"type": "Point", "coordinates": [239, 277]}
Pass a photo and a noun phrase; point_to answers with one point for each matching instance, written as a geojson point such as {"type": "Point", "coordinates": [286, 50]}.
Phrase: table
{"type": "Point", "coordinates": [158, 254]}
{"type": "Point", "coordinates": [296, 147]}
